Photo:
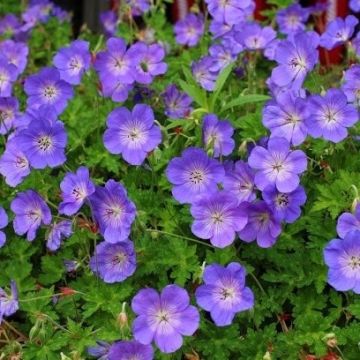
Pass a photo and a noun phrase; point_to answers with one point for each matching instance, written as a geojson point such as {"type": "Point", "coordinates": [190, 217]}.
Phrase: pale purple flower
{"type": "Point", "coordinates": [75, 190]}
{"type": "Point", "coordinates": [217, 217]}
{"type": "Point", "coordinates": [224, 293]}
{"type": "Point", "coordinates": [30, 212]}
{"type": "Point", "coordinates": [285, 206]}
{"type": "Point", "coordinates": [60, 14]}
{"type": "Point", "coordinates": [194, 174]}
{"type": "Point", "coordinates": [217, 135]}
{"type": "Point", "coordinates": [3, 223]}
{"type": "Point", "coordinates": [239, 181]}
{"type": "Point", "coordinates": [351, 86]}
{"type": "Point", "coordinates": [348, 222]}
{"type": "Point", "coordinates": [164, 318]}
{"type": "Point", "coordinates": [9, 303]}
{"type": "Point", "coordinates": [338, 32]}
{"type": "Point", "coordinates": [58, 232]}
{"type": "Point", "coordinates": [218, 28]}
{"type": "Point", "coordinates": [292, 19]}
{"type": "Point", "coordinates": [354, 5]}
{"type": "Point", "coordinates": [127, 350]}
{"type": "Point", "coordinates": [73, 61]}
{"type": "Point", "coordinates": [202, 73]}
{"type": "Point", "coordinates": [262, 225]}
{"type": "Point", "coordinates": [189, 30]}
{"type": "Point", "coordinates": [8, 74]}
{"type": "Point", "coordinates": [177, 103]}
{"type": "Point", "coordinates": [114, 262]}
{"type": "Point", "coordinates": [46, 88]}
{"type": "Point", "coordinates": [138, 7]}
{"type": "Point", "coordinates": [100, 351]}
{"type": "Point", "coordinates": [330, 116]}
{"type": "Point", "coordinates": [277, 165]}
{"type": "Point", "coordinates": [222, 57]}
{"type": "Point", "coordinates": [113, 211]}
{"type": "Point", "coordinates": [16, 54]}
{"type": "Point", "coordinates": [8, 112]}
{"type": "Point", "coordinates": [116, 89]}
{"type": "Point", "coordinates": [109, 21]}
{"type": "Point", "coordinates": [270, 49]}
{"type": "Point", "coordinates": [285, 117]}
{"type": "Point", "coordinates": [14, 165]}
{"type": "Point", "coordinates": [342, 256]}
{"type": "Point", "coordinates": [132, 134]}
{"type": "Point", "coordinates": [255, 37]}
{"type": "Point", "coordinates": [9, 25]}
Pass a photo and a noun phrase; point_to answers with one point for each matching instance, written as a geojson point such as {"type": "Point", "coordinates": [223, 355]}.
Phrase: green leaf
{"type": "Point", "coordinates": [245, 99]}
{"type": "Point", "coordinates": [220, 82]}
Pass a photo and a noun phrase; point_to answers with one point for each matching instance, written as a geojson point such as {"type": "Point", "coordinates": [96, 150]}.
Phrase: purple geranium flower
{"type": "Point", "coordinates": [348, 222]}
{"type": "Point", "coordinates": [330, 116]}
{"type": "Point", "coordinates": [222, 56]}
{"type": "Point", "coordinates": [239, 181]}
{"type": "Point", "coordinates": [164, 318]}
{"type": "Point", "coordinates": [16, 54]}
{"type": "Point", "coordinates": [354, 5]}
{"type": "Point", "coordinates": [285, 117]}
{"type": "Point", "coordinates": [113, 211]}
{"type": "Point", "coordinates": [262, 225]}
{"type": "Point", "coordinates": [100, 351]}
{"type": "Point", "coordinates": [75, 189]}
{"type": "Point", "coordinates": [285, 206]}
{"type": "Point", "coordinates": [109, 21]}
{"type": "Point", "coordinates": [116, 89]}
{"type": "Point", "coordinates": [189, 30]}
{"type": "Point", "coordinates": [292, 19]}
{"type": "Point", "coordinates": [177, 103]}
{"type": "Point", "coordinates": [255, 37]}
{"type": "Point", "coordinates": [224, 293]}
{"type": "Point", "coordinates": [217, 217]}
{"type": "Point", "coordinates": [151, 62]}
{"type": "Point", "coordinates": [8, 74]}
{"type": "Point", "coordinates": [277, 165]}
{"type": "Point", "coordinates": [296, 58]}
{"type": "Point", "coordinates": [193, 174]}
{"type": "Point", "coordinates": [217, 135]}
{"type": "Point", "coordinates": [8, 111]}
{"type": "Point", "coordinates": [9, 304]}
{"type": "Point", "coordinates": [351, 86]}
{"type": "Point", "coordinates": [132, 134]}
{"type": "Point", "coordinates": [114, 262]}
{"type": "Point", "coordinates": [202, 73]}
{"type": "Point", "coordinates": [342, 256]}
{"type": "Point", "coordinates": [44, 140]}
{"type": "Point", "coordinates": [219, 29]}
{"type": "Point", "coordinates": [46, 88]}
{"type": "Point", "coordinates": [138, 7]}
{"type": "Point", "coordinates": [126, 350]}
{"type": "Point", "coordinates": [30, 212]}
{"type": "Point", "coordinates": [14, 165]}
{"type": "Point", "coordinates": [3, 223]}
{"type": "Point", "coordinates": [9, 25]}
{"type": "Point", "coordinates": [73, 61]}
{"type": "Point", "coordinates": [338, 32]}
{"type": "Point", "coordinates": [116, 63]}
{"type": "Point", "coordinates": [58, 232]}
{"type": "Point", "coordinates": [60, 14]}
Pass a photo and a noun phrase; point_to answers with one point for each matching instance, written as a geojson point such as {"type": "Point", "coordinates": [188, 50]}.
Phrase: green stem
{"type": "Point", "coordinates": [258, 283]}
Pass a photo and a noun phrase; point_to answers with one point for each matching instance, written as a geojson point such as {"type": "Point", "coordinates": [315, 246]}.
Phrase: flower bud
{"type": "Point", "coordinates": [122, 317]}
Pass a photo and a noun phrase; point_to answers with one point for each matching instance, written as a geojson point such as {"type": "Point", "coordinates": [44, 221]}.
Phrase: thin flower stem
{"type": "Point", "coordinates": [48, 296]}
{"type": "Point", "coordinates": [16, 331]}
{"type": "Point", "coordinates": [181, 237]}
{"type": "Point", "coordinates": [258, 283]}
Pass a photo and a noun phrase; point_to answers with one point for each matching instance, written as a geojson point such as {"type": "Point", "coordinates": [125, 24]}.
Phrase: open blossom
{"type": "Point", "coordinates": [330, 116]}
{"type": "Point", "coordinates": [16, 54]}
{"type": "Point", "coordinates": [342, 256]}
{"type": "Point", "coordinates": [262, 225]}
{"type": "Point", "coordinates": [285, 117]}
{"type": "Point", "coordinates": [114, 262]}
{"type": "Point", "coordinates": [14, 165]}
{"type": "Point", "coordinates": [177, 103]}
{"type": "Point", "coordinates": [239, 181]}
{"type": "Point", "coordinates": [109, 21]}
{"type": "Point", "coordinates": [351, 86]}
{"type": "Point", "coordinates": [9, 303]}
{"type": "Point", "coordinates": [296, 58]}
{"type": "Point", "coordinates": [150, 62]}
{"type": "Point", "coordinates": [116, 90]}
{"type": "Point", "coordinates": [132, 134]}
{"type": "Point", "coordinates": [255, 37]}
{"type": "Point", "coordinates": [285, 206]}
{"type": "Point", "coordinates": [61, 230]}
{"type": "Point", "coordinates": [73, 61]}
{"type": "Point", "coordinates": [189, 30]}
{"type": "Point", "coordinates": [9, 107]}
{"type": "Point", "coordinates": [217, 135]}
{"type": "Point", "coordinates": [126, 350]}
{"type": "Point", "coordinates": [338, 32]}
{"type": "Point", "coordinates": [164, 318]}
{"type": "Point", "coordinates": [44, 140]}
{"type": "Point", "coordinates": [113, 211]}
{"type": "Point", "coordinates": [46, 88]}
{"type": "Point", "coordinates": [217, 217]}
{"type": "Point", "coordinates": [193, 174]}
{"type": "Point", "coordinates": [224, 293]}
{"type": "Point", "coordinates": [30, 212]}
{"type": "Point", "coordinates": [292, 19]}
{"type": "Point", "coordinates": [222, 56]}
{"type": "Point", "coordinates": [8, 74]}
{"type": "Point", "coordinates": [219, 28]}
{"type": "Point", "coordinates": [277, 165]}
{"type": "Point", "coordinates": [9, 25]}
{"type": "Point", "coordinates": [202, 73]}
{"type": "Point", "coordinates": [75, 189]}
{"type": "Point", "coordinates": [3, 223]}
{"type": "Point", "coordinates": [348, 222]}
